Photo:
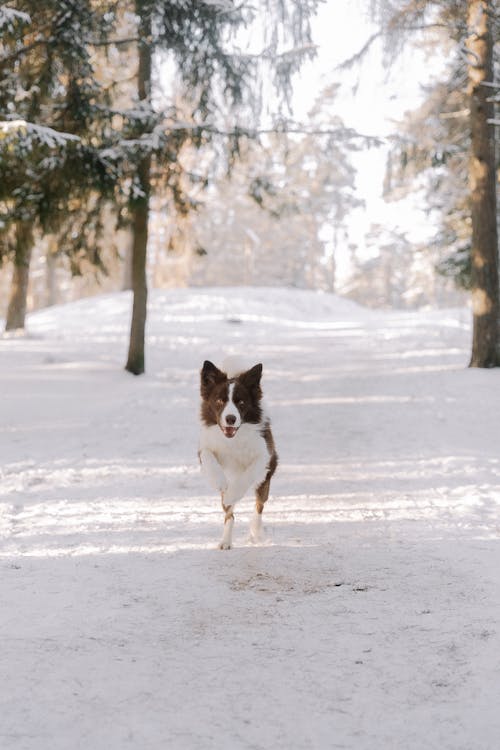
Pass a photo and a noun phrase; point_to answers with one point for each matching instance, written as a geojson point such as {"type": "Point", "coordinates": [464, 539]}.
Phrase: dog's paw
{"type": "Point", "coordinates": [225, 545]}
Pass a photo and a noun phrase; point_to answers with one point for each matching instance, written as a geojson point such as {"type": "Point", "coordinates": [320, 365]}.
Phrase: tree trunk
{"type": "Point", "coordinates": [16, 311]}
{"type": "Point", "coordinates": [140, 210]}
{"type": "Point", "coordinates": [485, 281]}
{"type": "Point", "coordinates": [135, 361]}
{"type": "Point", "coordinates": [127, 265]}
{"type": "Point", "coordinates": [50, 273]}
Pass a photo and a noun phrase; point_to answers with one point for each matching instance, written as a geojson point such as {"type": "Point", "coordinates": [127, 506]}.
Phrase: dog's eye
{"type": "Point", "coordinates": [219, 402]}
{"type": "Point", "coordinates": [241, 402]}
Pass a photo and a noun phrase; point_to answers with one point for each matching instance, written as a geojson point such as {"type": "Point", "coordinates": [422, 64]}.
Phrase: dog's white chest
{"type": "Point", "coordinates": [235, 454]}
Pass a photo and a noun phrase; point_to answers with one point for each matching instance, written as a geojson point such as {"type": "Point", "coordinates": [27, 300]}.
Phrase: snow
{"type": "Point", "coordinates": [222, 5]}
{"type": "Point", "coordinates": [45, 135]}
{"type": "Point", "coordinates": [369, 617]}
{"type": "Point", "coordinates": [8, 17]}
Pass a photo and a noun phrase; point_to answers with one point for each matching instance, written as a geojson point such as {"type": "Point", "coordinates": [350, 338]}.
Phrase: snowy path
{"type": "Point", "coordinates": [370, 619]}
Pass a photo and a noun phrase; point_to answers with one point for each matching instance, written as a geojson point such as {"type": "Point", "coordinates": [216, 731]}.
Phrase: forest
{"type": "Point", "coordinates": [157, 143]}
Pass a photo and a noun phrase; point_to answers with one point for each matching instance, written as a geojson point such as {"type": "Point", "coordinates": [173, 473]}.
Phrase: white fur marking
{"type": "Point", "coordinates": [242, 461]}
{"type": "Point", "coordinates": [231, 408]}
{"type": "Point", "coordinates": [256, 533]}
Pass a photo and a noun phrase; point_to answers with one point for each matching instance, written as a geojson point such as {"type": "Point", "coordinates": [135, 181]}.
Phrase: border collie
{"type": "Point", "coordinates": [237, 451]}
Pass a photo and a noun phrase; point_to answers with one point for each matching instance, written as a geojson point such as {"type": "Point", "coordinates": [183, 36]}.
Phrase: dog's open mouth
{"type": "Point", "coordinates": [228, 431]}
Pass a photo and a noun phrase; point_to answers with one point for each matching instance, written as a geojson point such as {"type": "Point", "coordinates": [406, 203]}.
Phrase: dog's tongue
{"type": "Point", "coordinates": [229, 432]}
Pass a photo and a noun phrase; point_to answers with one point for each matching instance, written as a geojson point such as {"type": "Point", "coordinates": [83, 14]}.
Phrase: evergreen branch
{"type": "Point", "coordinates": [23, 50]}
{"type": "Point", "coordinates": [26, 48]}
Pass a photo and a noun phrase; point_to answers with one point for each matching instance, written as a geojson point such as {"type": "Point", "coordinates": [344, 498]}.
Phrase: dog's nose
{"type": "Point", "coordinates": [230, 419]}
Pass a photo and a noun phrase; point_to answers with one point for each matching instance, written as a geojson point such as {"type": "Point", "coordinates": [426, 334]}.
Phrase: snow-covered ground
{"type": "Point", "coordinates": [370, 618]}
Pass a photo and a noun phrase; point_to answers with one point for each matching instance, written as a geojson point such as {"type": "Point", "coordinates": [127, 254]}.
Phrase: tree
{"type": "Point", "coordinates": [430, 152]}
{"type": "Point", "coordinates": [482, 179]}
{"type": "Point", "coordinates": [49, 162]}
{"type": "Point", "coordinates": [125, 152]}
{"type": "Point", "coordinates": [16, 311]}
{"type": "Point", "coordinates": [195, 35]}
{"type": "Point", "coordinates": [469, 26]}
{"type": "Point", "coordinates": [140, 204]}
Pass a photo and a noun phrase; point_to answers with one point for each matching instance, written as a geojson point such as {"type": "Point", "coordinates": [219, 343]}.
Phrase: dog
{"type": "Point", "coordinates": [236, 451]}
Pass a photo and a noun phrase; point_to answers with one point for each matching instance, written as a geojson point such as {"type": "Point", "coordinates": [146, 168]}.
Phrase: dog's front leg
{"type": "Point", "coordinates": [227, 536]}
{"type": "Point", "coordinates": [261, 495]}
{"type": "Point", "coordinates": [216, 477]}
{"type": "Point", "coordinates": [213, 471]}
{"type": "Point", "coordinates": [249, 479]}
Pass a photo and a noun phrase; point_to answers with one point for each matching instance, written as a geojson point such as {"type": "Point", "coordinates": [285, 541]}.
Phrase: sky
{"type": "Point", "coordinates": [340, 29]}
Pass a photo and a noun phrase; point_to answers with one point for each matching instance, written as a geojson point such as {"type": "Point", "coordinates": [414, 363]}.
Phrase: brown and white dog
{"type": "Point", "coordinates": [237, 451]}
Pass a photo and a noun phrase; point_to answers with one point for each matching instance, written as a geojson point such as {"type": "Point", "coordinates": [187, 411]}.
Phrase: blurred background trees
{"type": "Point", "coordinates": [149, 142]}
{"type": "Point", "coordinates": [448, 144]}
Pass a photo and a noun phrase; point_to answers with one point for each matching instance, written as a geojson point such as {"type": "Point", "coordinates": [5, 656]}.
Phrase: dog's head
{"type": "Point", "coordinates": [229, 402]}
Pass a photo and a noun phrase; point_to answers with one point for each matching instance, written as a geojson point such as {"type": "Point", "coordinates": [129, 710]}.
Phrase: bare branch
{"type": "Point", "coordinates": [295, 129]}
{"type": "Point", "coordinates": [113, 42]}
{"type": "Point", "coordinates": [358, 56]}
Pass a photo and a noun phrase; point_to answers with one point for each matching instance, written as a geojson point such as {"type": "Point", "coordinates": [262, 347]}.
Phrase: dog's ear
{"type": "Point", "coordinates": [210, 375]}
{"type": "Point", "coordinates": [251, 378]}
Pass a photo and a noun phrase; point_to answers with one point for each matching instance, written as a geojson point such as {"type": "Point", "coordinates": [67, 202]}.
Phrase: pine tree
{"type": "Point", "coordinates": [195, 34]}
{"type": "Point", "coordinates": [47, 71]}
{"type": "Point", "coordinates": [49, 163]}
{"type": "Point", "coordinates": [473, 25]}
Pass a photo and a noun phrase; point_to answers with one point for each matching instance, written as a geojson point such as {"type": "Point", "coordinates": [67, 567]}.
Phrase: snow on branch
{"type": "Point", "coordinates": [286, 128]}
{"type": "Point", "coordinates": [271, 54]}
{"type": "Point", "coordinates": [44, 135]}
{"type": "Point", "coordinates": [224, 6]}
{"type": "Point", "coordinates": [8, 16]}
{"type": "Point", "coordinates": [154, 141]}
{"type": "Point", "coordinates": [146, 143]}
